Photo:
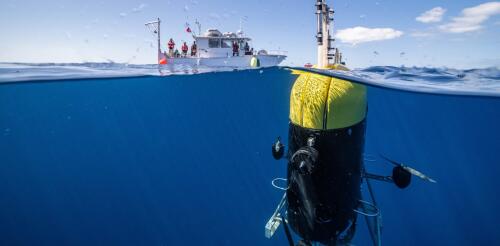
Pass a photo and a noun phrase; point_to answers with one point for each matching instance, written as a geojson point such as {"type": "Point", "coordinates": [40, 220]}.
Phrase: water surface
{"type": "Point", "coordinates": [185, 160]}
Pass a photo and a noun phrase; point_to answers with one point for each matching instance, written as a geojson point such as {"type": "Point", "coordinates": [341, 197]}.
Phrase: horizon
{"type": "Point", "coordinates": [454, 34]}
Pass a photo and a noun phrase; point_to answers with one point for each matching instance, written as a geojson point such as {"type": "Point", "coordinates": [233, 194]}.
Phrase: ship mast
{"type": "Point", "coordinates": [324, 17]}
{"type": "Point", "coordinates": [154, 27]}
{"type": "Point", "coordinates": [159, 43]}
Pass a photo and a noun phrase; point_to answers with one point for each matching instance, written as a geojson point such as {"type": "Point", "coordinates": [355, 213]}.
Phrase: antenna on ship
{"type": "Point", "coordinates": [154, 27]}
{"type": "Point", "coordinates": [241, 24]}
{"type": "Point", "coordinates": [197, 23]}
{"type": "Point", "coordinates": [240, 31]}
{"type": "Point", "coordinates": [324, 18]}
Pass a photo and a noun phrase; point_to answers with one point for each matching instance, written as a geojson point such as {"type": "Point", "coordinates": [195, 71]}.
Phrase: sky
{"type": "Point", "coordinates": [438, 33]}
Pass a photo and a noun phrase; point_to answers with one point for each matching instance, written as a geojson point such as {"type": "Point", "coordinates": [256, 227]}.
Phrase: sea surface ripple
{"type": "Point", "coordinates": [475, 82]}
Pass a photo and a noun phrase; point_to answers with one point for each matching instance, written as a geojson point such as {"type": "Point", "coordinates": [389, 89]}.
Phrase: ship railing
{"type": "Point", "coordinates": [278, 52]}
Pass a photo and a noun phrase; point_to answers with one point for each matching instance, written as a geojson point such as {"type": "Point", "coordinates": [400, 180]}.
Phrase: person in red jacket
{"type": "Point", "coordinates": [171, 46]}
{"type": "Point", "coordinates": [236, 48]}
{"type": "Point", "coordinates": [184, 49]}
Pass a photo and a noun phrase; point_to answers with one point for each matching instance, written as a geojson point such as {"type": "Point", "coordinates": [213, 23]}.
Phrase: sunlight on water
{"type": "Point", "coordinates": [482, 82]}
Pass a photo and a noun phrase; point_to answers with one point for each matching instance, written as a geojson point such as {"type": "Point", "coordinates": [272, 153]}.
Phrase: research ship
{"type": "Point", "coordinates": [217, 49]}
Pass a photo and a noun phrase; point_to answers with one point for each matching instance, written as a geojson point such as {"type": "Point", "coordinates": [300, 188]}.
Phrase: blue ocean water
{"type": "Point", "coordinates": [185, 159]}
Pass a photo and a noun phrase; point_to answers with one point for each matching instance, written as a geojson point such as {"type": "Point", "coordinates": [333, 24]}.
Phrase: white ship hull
{"type": "Point", "coordinates": [233, 61]}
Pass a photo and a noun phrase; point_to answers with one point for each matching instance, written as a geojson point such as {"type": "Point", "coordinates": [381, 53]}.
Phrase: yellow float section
{"type": "Point", "coordinates": [254, 62]}
{"type": "Point", "coordinates": [315, 98]}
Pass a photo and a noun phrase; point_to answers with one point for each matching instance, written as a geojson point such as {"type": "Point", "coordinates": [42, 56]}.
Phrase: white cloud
{"type": "Point", "coordinates": [139, 9]}
{"type": "Point", "coordinates": [433, 15]}
{"type": "Point", "coordinates": [471, 18]}
{"type": "Point", "coordinates": [357, 35]}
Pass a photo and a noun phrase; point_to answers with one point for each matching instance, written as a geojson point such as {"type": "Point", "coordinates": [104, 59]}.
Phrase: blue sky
{"type": "Point", "coordinates": [453, 33]}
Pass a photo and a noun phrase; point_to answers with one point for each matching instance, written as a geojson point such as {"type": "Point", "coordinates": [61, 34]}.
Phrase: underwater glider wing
{"type": "Point", "coordinates": [410, 170]}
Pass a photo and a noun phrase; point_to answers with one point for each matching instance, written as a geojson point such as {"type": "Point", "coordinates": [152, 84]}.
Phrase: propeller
{"type": "Point", "coordinates": [410, 170]}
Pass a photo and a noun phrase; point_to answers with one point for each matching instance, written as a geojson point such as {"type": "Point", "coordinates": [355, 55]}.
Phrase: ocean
{"type": "Point", "coordinates": [98, 154]}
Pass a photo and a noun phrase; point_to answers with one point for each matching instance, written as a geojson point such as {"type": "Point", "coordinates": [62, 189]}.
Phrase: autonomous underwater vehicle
{"type": "Point", "coordinates": [322, 197]}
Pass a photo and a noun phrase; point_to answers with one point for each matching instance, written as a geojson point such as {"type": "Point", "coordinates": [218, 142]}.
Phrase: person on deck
{"type": "Point", "coordinates": [236, 48]}
{"type": "Point", "coordinates": [176, 53]}
{"type": "Point", "coordinates": [171, 46]}
{"type": "Point", "coordinates": [184, 49]}
{"type": "Point", "coordinates": [194, 49]}
{"type": "Point", "coordinates": [247, 49]}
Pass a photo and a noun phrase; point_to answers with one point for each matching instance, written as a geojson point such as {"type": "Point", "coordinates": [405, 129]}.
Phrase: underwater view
{"type": "Point", "coordinates": [186, 159]}
{"type": "Point", "coordinates": [224, 140]}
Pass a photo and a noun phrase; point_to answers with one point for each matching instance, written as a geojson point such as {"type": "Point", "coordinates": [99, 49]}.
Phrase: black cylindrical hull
{"type": "Point", "coordinates": [321, 203]}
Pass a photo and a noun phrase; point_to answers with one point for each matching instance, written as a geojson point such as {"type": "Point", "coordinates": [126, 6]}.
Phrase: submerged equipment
{"type": "Point", "coordinates": [326, 142]}
{"type": "Point", "coordinates": [254, 62]}
{"type": "Point", "coordinates": [325, 168]}
{"type": "Point", "coordinates": [325, 157]}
